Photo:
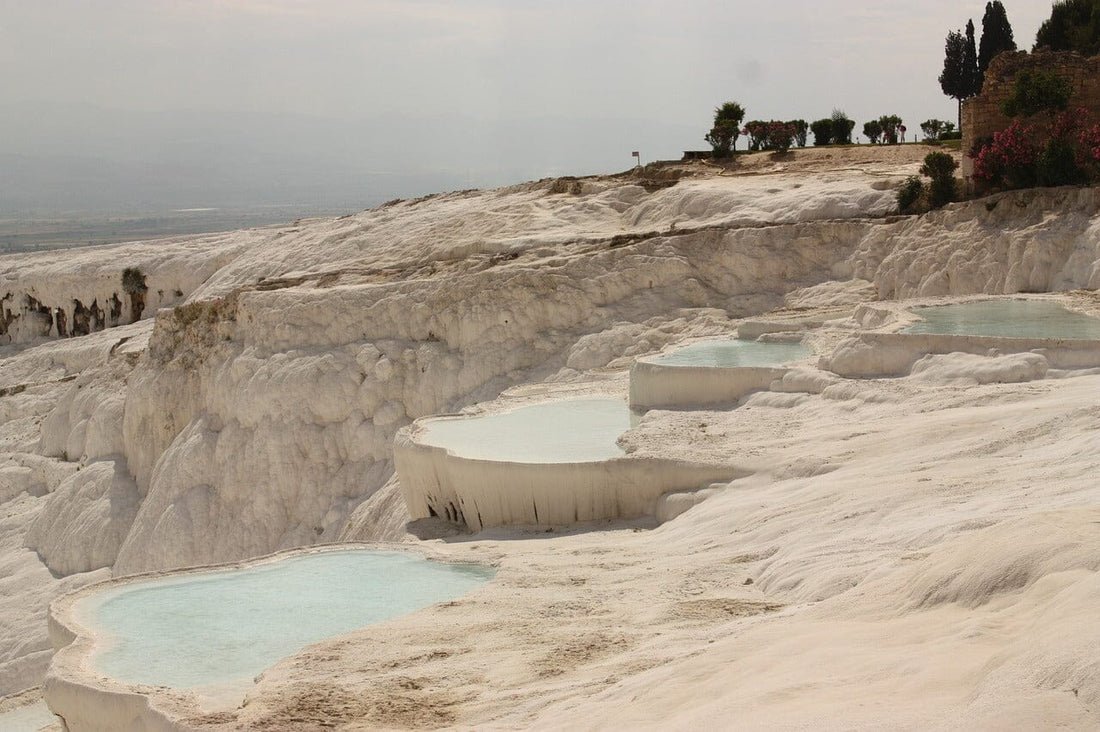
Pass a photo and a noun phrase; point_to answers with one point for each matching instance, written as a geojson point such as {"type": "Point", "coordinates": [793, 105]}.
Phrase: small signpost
{"type": "Point", "coordinates": [638, 156]}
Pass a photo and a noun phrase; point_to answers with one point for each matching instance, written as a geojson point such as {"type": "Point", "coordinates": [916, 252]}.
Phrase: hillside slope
{"type": "Point", "coordinates": [259, 415]}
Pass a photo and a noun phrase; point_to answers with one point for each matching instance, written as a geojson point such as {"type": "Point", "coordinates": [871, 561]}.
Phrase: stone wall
{"type": "Point", "coordinates": [982, 115]}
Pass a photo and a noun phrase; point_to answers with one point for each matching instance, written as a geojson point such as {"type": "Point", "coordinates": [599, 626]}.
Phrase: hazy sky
{"type": "Point", "coordinates": [450, 93]}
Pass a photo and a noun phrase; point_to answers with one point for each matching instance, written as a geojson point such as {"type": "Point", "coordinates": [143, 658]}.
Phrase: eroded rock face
{"type": "Point", "coordinates": [271, 438]}
{"type": "Point", "coordinates": [68, 293]}
{"type": "Point", "coordinates": [343, 368]}
{"type": "Point", "coordinates": [1024, 241]}
{"type": "Point", "coordinates": [82, 526]}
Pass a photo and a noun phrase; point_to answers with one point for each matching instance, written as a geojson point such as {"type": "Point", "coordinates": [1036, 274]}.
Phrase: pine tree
{"type": "Point", "coordinates": [1074, 25]}
{"type": "Point", "coordinates": [996, 34]}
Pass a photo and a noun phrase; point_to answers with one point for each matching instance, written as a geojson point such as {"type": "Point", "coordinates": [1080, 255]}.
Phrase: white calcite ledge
{"type": "Point", "coordinates": [481, 493]}
{"type": "Point", "coordinates": [894, 354]}
{"type": "Point", "coordinates": [661, 386]}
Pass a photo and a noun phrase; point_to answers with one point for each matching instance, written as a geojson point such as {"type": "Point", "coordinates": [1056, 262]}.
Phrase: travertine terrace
{"type": "Point", "coordinates": [909, 551]}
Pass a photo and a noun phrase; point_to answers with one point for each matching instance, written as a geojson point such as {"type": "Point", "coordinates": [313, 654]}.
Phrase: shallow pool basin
{"type": "Point", "coordinates": [570, 431]}
{"type": "Point", "coordinates": [216, 627]}
{"type": "Point", "coordinates": [1008, 318]}
{"type": "Point", "coordinates": [733, 353]}
{"type": "Point", "coordinates": [709, 373]}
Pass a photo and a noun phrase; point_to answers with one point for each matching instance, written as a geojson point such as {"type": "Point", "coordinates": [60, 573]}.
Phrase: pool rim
{"type": "Point", "coordinates": [653, 358]}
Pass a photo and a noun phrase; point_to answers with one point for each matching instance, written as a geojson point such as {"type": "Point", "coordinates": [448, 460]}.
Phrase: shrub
{"type": "Point", "coordinates": [727, 124]}
{"type": "Point", "coordinates": [910, 193]}
{"type": "Point", "coordinates": [757, 133]}
{"type": "Point", "coordinates": [1065, 151]}
{"type": "Point", "coordinates": [1090, 151]}
{"type": "Point", "coordinates": [133, 281]}
{"type": "Point", "coordinates": [842, 128]}
{"type": "Point", "coordinates": [800, 127]}
{"type": "Point", "coordinates": [940, 167]}
{"type": "Point", "coordinates": [931, 129]}
{"type": "Point", "coordinates": [1036, 91]}
{"type": "Point", "coordinates": [1009, 159]}
{"type": "Point", "coordinates": [780, 135]}
{"type": "Point", "coordinates": [1057, 165]}
{"type": "Point", "coordinates": [823, 131]}
{"type": "Point", "coordinates": [872, 131]}
{"type": "Point", "coordinates": [721, 139]}
{"type": "Point", "coordinates": [1064, 159]}
{"type": "Point", "coordinates": [771, 135]}
{"type": "Point", "coordinates": [891, 128]}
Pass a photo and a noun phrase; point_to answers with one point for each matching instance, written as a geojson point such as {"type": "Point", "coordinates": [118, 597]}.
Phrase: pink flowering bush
{"type": "Point", "coordinates": [1090, 151]}
{"type": "Point", "coordinates": [771, 135]}
{"type": "Point", "coordinates": [1063, 151]}
{"type": "Point", "coordinates": [1008, 161]}
{"type": "Point", "coordinates": [721, 138]}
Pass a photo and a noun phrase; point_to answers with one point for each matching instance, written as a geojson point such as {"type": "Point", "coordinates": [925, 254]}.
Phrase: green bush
{"type": "Point", "coordinates": [1036, 91]}
{"type": "Point", "coordinates": [757, 132]}
{"type": "Point", "coordinates": [931, 129]}
{"type": "Point", "coordinates": [891, 128]}
{"type": "Point", "coordinates": [801, 127]}
{"type": "Point", "coordinates": [133, 281]}
{"type": "Point", "coordinates": [1057, 165]}
{"type": "Point", "coordinates": [940, 167]}
{"type": "Point", "coordinates": [727, 125]}
{"type": "Point", "coordinates": [910, 193]}
{"type": "Point", "coordinates": [823, 131]}
{"type": "Point", "coordinates": [842, 128]}
{"type": "Point", "coordinates": [872, 131]}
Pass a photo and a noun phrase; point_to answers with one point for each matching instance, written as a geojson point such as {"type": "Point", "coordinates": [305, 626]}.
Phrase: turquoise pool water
{"type": "Point", "coordinates": [571, 431]}
{"type": "Point", "coordinates": [228, 626]}
{"type": "Point", "coordinates": [1006, 318]}
{"type": "Point", "coordinates": [734, 353]}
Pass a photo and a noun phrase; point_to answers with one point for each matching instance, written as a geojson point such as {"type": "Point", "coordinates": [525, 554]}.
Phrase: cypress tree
{"type": "Point", "coordinates": [972, 73]}
{"type": "Point", "coordinates": [996, 34]}
{"type": "Point", "coordinates": [960, 79]}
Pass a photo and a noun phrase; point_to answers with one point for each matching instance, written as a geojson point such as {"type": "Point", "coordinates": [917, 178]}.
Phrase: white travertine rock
{"type": "Point", "coordinates": [87, 423]}
{"type": "Point", "coordinates": [660, 386]}
{"type": "Point", "coordinates": [1037, 240]}
{"type": "Point", "coordinates": [262, 413]}
{"type": "Point", "coordinates": [85, 520]}
{"type": "Point", "coordinates": [299, 409]}
{"type": "Point", "coordinates": [894, 354]}
{"type": "Point", "coordinates": [978, 369]}
{"type": "Point", "coordinates": [671, 505]}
